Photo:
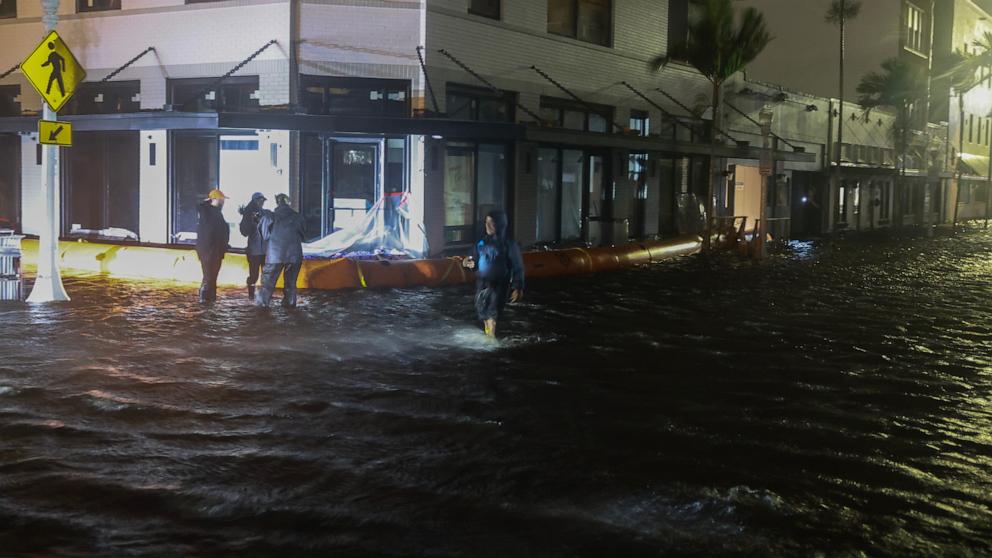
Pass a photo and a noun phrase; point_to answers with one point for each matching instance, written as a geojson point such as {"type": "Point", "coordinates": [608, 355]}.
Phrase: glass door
{"type": "Point", "coordinates": [352, 190]}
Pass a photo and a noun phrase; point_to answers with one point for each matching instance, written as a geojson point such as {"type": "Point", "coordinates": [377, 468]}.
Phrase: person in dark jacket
{"type": "Point", "coordinates": [499, 271]}
{"type": "Point", "coordinates": [251, 216]}
{"type": "Point", "coordinates": [212, 237]}
{"type": "Point", "coordinates": [284, 229]}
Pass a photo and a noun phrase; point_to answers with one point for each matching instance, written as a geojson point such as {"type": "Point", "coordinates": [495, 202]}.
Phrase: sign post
{"type": "Point", "coordinates": [54, 72]}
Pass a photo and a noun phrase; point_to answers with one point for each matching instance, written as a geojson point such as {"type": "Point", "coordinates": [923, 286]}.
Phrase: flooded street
{"type": "Point", "coordinates": [833, 401]}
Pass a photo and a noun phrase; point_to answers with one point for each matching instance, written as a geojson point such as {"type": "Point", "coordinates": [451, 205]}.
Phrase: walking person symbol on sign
{"type": "Point", "coordinates": [57, 62]}
{"type": "Point", "coordinates": [53, 71]}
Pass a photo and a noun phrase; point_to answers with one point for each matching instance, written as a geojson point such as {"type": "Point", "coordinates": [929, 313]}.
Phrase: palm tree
{"type": "Point", "coordinates": [839, 13]}
{"type": "Point", "coordinates": [718, 47]}
{"type": "Point", "coordinates": [898, 85]}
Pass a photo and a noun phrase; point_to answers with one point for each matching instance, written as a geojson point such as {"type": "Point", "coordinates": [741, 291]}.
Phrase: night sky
{"type": "Point", "coordinates": [803, 55]}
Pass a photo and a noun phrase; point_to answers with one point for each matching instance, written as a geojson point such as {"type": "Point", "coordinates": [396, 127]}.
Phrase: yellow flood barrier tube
{"type": "Point", "coordinates": [181, 265]}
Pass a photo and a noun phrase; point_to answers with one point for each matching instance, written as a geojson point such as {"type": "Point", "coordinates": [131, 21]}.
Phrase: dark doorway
{"type": "Point", "coordinates": [195, 171]}
{"type": "Point", "coordinates": [808, 202]}
{"type": "Point", "coordinates": [100, 173]}
{"type": "Point", "coordinates": [10, 181]}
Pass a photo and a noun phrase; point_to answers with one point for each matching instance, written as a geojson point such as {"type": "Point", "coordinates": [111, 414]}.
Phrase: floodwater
{"type": "Point", "coordinates": [833, 401]}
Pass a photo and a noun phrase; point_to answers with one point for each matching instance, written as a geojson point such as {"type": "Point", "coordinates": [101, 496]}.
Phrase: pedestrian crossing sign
{"type": "Point", "coordinates": [53, 71]}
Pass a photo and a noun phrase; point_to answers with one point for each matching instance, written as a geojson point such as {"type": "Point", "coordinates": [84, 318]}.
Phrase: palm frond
{"type": "Point", "coordinates": [836, 13]}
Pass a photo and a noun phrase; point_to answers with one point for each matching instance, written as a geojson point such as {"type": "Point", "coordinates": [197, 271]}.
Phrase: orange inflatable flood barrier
{"type": "Point", "coordinates": [182, 265]}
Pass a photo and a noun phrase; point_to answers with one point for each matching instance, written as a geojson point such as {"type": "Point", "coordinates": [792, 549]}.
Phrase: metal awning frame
{"type": "Point", "coordinates": [434, 127]}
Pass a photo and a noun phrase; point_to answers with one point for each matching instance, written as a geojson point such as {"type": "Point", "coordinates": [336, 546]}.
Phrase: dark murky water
{"type": "Point", "coordinates": [835, 401]}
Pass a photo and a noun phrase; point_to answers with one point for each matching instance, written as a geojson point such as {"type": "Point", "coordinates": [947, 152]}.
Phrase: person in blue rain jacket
{"type": "Point", "coordinates": [499, 269]}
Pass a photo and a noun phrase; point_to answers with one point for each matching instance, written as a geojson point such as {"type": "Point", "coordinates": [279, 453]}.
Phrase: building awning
{"type": "Point", "coordinates": [170, 120]}
{"type": "Point", "coordinates": [641, 143]}
{"type": "Point", "coordinates": [379, 125]}
{"type": "Point", "coordinates": [973, 167]}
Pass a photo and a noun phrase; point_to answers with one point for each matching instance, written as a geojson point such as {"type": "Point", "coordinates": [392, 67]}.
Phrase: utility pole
{"type": "Point", "coordinates": [767, 171]}
{"type": "Point", "coordinates": [48, 283]}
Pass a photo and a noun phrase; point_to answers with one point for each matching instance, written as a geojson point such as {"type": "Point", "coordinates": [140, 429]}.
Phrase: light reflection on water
{"type": "Point", "coordinates": [833, 400]}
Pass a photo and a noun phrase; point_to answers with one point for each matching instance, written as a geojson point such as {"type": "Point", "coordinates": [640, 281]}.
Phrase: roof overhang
{"type": "Point", "coordinates": [439, 127]}
{"type": "Point", "coordinates": [641, 143]}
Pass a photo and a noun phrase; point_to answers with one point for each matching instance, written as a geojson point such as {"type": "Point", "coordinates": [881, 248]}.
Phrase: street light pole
{"type": "Point", "coordinates": [48, 283]}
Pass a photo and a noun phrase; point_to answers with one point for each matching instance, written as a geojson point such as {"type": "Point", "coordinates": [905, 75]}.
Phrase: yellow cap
{"type": "Point", "coordinates": [216, 194]}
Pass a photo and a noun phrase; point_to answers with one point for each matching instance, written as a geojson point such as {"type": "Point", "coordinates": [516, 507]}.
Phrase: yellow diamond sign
{"type": "Point", "coordinates": [53, 71]}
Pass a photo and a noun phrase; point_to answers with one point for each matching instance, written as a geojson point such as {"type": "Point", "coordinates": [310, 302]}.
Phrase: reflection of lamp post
{"type": "Point", "coordinates": [766, 168]}
{"type": "Point", "coordinates": [48, 282]}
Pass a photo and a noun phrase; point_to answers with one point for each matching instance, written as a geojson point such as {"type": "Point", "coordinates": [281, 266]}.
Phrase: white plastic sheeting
{"type": "Point", "coordinates": [388, 228]}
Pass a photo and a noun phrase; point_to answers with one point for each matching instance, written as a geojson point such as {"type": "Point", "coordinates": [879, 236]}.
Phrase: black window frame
{"type": "Point", "coordinates": [13, 172]}
{"type": "Point", "coordinates": [90, 88]}
{"type": "Point", "coordinates": [11, 92]}
{"type": "Point", "coordinates": [327, 83]}
{"type": "Point", "coordinates": [475, 96]}
{"type": "Point", "coordinates": [574, 32]}
{"type": "Point", "coordinates": [81, 7]}
{"type": "Point", "coordinates": [222, 92]}
{"type": "Point", "coordinates": [644, 118]}
{"type": "Point", "coordinates": [496, 14]}
{"type": "Point", "coordinates": [562, 105]}
{"type": "Point", "coordinates": [8, 9]}
{"type": "Point", "coordinates": [477, 226]}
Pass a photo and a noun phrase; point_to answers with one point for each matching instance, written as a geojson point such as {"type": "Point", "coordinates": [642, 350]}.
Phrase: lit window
{"type": "Point", "coordinates": [914, 28]}
{"type": "Point", "coordinates": [640, 122]}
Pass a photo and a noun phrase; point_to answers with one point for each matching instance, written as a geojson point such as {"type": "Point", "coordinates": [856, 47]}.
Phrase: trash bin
{"type": "Point", "coordinates": [10, 265]}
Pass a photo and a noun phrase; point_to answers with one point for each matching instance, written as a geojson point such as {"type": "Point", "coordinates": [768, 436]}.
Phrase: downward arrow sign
{"type": "Point", "coordinates": [54, 133]}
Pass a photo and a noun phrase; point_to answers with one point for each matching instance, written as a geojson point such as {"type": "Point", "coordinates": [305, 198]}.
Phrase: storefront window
{"type": "Point", "coordinates": [571, 194]}
{"type": "Point", "coordinates": [547, 195]}
{"type": "Point", "coordinates": [100, 175]}
{"type": "Point", "coordinates": [459, 179]}
{"type": "Point", "coordinates": [312, 185]}
{"type": "Point", "coordinates": [491, 193]}
{"type": "Point", "coordinates": [474, 185]}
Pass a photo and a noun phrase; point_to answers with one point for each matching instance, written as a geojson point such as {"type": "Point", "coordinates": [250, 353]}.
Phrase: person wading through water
{"type": "Point", "coordinates": [500, 270]}
{"type": "Point", "coordinates": [212, 238]}
{"type": "Point", "coordinates": [284, 229]}
{"type": "Point", "coordinates": [251, 216]}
